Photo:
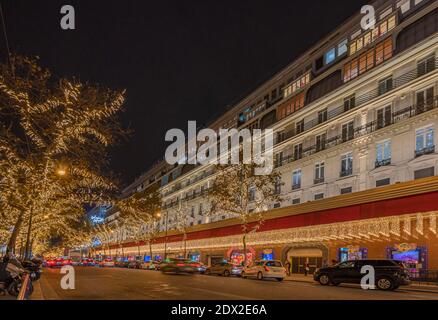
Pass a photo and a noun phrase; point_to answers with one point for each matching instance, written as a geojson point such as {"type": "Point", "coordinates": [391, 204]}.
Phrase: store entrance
{"type": "Point", "coordinates": [299, 257]}
{"type": "Point", "coordinates": [299, 264]}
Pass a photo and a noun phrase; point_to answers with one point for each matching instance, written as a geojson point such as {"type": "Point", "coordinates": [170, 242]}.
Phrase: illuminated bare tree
{"type": "Point", "coordinates": [238, 191]}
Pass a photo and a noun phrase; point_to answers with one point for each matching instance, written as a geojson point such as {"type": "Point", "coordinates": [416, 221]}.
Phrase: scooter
{"type": "Point", "coordinates": [34, 269]}
{"type": "Point", "coordinates": [11, 275]}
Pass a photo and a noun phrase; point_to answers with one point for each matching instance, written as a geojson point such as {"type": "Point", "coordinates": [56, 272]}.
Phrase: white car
{"type": "Point", "coordinates": [107, 263]}
{"type": "Point", "coordinates": [269, 269]}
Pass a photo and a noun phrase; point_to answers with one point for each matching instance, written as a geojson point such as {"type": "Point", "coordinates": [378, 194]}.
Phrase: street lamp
{"type": "Point", "coordinates": [61, 172]}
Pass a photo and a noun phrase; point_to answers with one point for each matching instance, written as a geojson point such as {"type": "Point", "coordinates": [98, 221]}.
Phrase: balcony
{"type": "Point", "coordinates": [296, 186]}
{"type": "Point", "coordinates": [382, 163]}
{"type": "Point", "coordinates": [424, 151]}
{"type": "Point", "coordinates": [396, 117]}
{"type": "Point", "coordinates": [346, 173]}
{"type": "Point", "coordinates": [360, 101]}
{"type": "Point", "coordinates": [318, 180]}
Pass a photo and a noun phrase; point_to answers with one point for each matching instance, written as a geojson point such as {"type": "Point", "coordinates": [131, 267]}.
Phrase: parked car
{"type": "Point", "coordinates": [225, 269]}
{"type": "Point", "coordinates": [49, 263]}
{"type": "Point", "coordinates": [107, 263]}
{"type": "Point", "coordinates": [88, 262]}
{"type": "Point", "coordinates": [134, 264]}
{"type": "Point", "coordinates": [58, 262]}
{"type": "Point", "coordinates": [270, 269]}
{"type": "Point", "coordinates": [177, 266]}
{"type": "Point", "coordinates": [199, 266]}
{"type": "Point", "coordinates": [150, 265]}
{"type": "Point", "coordinates": [389, 274]}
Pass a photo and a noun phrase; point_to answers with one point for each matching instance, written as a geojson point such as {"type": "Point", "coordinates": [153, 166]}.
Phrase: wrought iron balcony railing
{"type": "Point", "coordinates": [382, 163]}
{"type": "Point", "coordinates": [425, 150]}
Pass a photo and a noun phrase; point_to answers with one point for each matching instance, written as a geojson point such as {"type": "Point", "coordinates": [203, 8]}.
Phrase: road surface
{"type": "Point", "coordinates": [94, 283]}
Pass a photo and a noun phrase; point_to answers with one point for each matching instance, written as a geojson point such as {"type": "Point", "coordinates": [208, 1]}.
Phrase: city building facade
{"type": "Point", "coordinates": [355, 120]}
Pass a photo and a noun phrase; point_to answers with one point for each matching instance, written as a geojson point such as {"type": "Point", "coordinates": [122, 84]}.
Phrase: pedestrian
{"type": "Point", "coordinates": [306, 269]}
{"type": "Point", "coordinates": [287, 266]}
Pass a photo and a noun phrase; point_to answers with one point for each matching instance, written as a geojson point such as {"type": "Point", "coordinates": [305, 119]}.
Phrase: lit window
{"type": "Point", "coordinates": [342, 47]}
{"type": "Point", "coordinates": [330, 56]}
{"type": "Point", "coordinates": [359, 44]}
{"type": "Point", "coordinates": [353, 48]}
{"type": "Point", "coordinates": [391, 23]}
{"type": "Point", "coordinates": [367, 39]}
{"type": "Point", "coordinates": [383, 151]}
{"type": "Point", "coordinates": [296, 179]}
{"type": "Point", "coordinates": [383, 27]}
{"type": "Point", "coordinates": [424, 138]}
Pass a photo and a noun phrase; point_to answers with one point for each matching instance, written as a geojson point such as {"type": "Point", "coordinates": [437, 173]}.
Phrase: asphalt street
{"type": "Point", "coordinates": [92, 283]}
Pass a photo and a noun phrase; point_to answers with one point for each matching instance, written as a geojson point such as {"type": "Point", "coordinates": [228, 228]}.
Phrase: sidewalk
{"type": "Point", "coordinates": [415, 286]}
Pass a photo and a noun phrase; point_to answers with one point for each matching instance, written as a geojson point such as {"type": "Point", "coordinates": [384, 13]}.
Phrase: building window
{"type": "Point", "coordinates": [368, 60]}
{"type": "Point", "coordinates": [346, 165]}
{"type": "Point", "coordinates": [292, 105]}
{"type": "Point", "coordinates": [319, 173]}
{"type": "Point", "coordinates": [384, 117]}
{"type": "Point", "coordinates": [296, 179]}
{"type": "Point", "coordinates": [342, 47]}
{"type": "Point", "coordinates": [296, 201]}
{"type": "Point", "coordinates": [319, 196]}
{"type": "Point", "coordinates": [296, 85]}
{"type": "Point", "coordinates": [348, 131]}
{"type": "Point", "coordinates": [199, 221]}
{"type": "Point", "coordinates": [349, 103]}
{"type": "Point", "coordinates": [321, 142]}
{"type": "Point", "coordinates": [404, 5]}
{"type": "Point", "coordinates": [279, 158]}
{"type": "Point", "coordinates": [298, 151]}
{"type": "Point", "coordinates": [383, 182]}
{"type": "Point", "coordinates": [426, 65]}
{"type": "Point", "coordinates": [193, 212]}
{"type": "Point", "coordinates": [322, 116]}
{"type": "Point", "coordinates": [424, 141]}
{"type": "Point", "coordinates": [300, 127]}
{"type": "Point", "coordinates": [200, 209]}
{"type": "Point", "coordinates": [425, 100]}
{"type": "Point", "coordinates": [424, 173]}
{"type": "Point", "coordinates": [383, 153]}
{"type": "Point", "coordinates": [330, 56]}
{"type": "Point", "coordinates": [346, 190]}
{"type": "Point", "coordinates": [277, 205]}
{"type": "Point", "coordinates": [385, 85]}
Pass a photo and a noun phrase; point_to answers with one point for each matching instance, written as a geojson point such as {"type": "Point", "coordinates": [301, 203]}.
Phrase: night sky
{"type": "Point", "coordinates": [178, 60]}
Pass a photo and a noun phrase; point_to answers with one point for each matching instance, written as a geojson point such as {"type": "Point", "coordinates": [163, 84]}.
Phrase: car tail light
{"type": "Point", "coordinates": [180, 265]}
{"type": "Point", "coordinates": [267, 269]}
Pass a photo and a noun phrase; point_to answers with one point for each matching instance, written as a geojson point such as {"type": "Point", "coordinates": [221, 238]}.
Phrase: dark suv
{"type": "Point", "coordinates": [389, 274]}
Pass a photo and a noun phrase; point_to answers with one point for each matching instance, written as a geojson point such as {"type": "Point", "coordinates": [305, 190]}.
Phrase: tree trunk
{"type": "Point", "coordinates": [138, 248]}
{"type": "Point", "coordinates": [245, 260]}
{"type": "Point", "coordinates": [11, 244]}
{"type": "Point", "coordinates": [29, 230]}
{"type": "Point", "coordinates": [150, 249]}
{"type": "Point", "coordinates": [185, 245]}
